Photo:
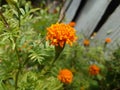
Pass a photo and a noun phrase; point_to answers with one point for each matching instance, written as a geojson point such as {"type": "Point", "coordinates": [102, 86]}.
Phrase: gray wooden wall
{"type": "Point", "coordinates": [102, 16]}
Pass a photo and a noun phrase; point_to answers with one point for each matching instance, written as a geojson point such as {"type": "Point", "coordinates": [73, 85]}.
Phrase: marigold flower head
{"type": "Point", "coordinates": [61, 33]}
{"type": "Point", "coordinates": [94, 70]}
{"type": "Point", "coordinates": [86, 42]}
{"type": "Point", "coordinates": [65, 76]}
{"type": "Point", "coordinates": [72, 24]}
{"type": "Point", "coordinates": [107, 40]}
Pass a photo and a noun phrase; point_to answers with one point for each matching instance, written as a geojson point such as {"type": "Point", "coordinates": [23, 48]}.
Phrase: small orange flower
{"type": "Point", "coordinates": [94, 70]}
{"type": "Point", "coordinates": [72, 24]}
{"type": "Point", "coordinates": [65, 76]}
{"type": "Point", "coordinates": [107, 40]}
{"type": "Point", "coordinates": [86, 42]}
{"type": "Point", "coordinates": [59, 34]}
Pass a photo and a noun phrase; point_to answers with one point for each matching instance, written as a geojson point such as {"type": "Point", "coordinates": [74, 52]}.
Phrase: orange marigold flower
{"type": "Point", "coordinates": [94, 70]}
{"type": "Point", "coordinates": [59, 34]}
{"type": "Point", "coordinates": [72, 24]}
{"type": "Point", "coordinates": [86, 42]}
{"type": "Point", "coordinates": [65, 76]}
{"type": "Point", "coordinates": [107, 40]}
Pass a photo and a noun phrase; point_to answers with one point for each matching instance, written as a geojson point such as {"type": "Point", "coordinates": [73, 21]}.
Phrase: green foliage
{"type": "Point", "coordinates": [78, 59]}
{"type": "Point", "coordinates": [27, 61]}
{"type": "Point", "coordinates": [31, 81]}
{"type": "Point", "coordinates": [23, 50]}
{"type": "Point", "coordinates": [112, 77]}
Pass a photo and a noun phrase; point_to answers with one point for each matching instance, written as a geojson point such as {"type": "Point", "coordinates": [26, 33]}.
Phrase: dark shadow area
{"type": "Point", "coordinates": [82, 4]}
{"type": "Point", "coordinates": [2, 2]}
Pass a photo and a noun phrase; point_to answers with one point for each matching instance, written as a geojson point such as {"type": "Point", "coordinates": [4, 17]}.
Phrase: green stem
{"type": "Point", "coordinates": [65, 86]}
{"type": "Point", "coordinates": [46, 68]}
{"type": "Point", "coordinates": [19, 69]}
{"type": "Point", "coordinates": [4, 20]}
{"type": "Point", "coordinates": [16, 79]}
{"type": "Point", "coordinates": [58, 51]}
{"type": "Point", "coordinates": [19, 62]}
{"type": "Point", "coordinates": [19, 13]}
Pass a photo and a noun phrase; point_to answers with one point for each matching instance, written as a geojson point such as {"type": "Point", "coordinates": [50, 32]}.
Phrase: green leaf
{"type": "Point", "coordinates": [22, 11]}
{"type": "Point", "coordinates": [99, 77]}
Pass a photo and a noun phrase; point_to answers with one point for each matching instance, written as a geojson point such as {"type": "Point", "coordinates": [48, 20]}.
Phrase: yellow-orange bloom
{"type": "Point", "coordinates": [72, 24]}
{"type": "Point", "coordinates": [59, 34]}
{"type": "Point", "coordinates": [86, 42]}
{"type": "Point", "coordinates": [65, 76]}
{"type": "Point", "coordinates": [94, 70]}
{"type": "Point", "coordinates": [107, 40]}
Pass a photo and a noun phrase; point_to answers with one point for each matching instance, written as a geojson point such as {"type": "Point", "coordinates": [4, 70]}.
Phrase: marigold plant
{"type": "Point", "coordinates": [94, 70]}
{"type": "Point", "coordinates": [107, 40]}
{"type": "Point", "coordinates": [61, 33]}
{"type": "Point", "coordinates": [65, 76]}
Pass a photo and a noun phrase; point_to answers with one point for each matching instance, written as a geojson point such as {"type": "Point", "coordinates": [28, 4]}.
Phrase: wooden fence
{"type": "Point", "coordinates": [101, 16]}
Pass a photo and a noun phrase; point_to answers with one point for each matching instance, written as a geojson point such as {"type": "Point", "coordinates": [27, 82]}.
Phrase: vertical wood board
{"type": "Point", "coordinates": [91, 15]}
{"type": "Point", "coordinates": [70, 13]}
{"type": "Point", "coordinates": [111, 28]}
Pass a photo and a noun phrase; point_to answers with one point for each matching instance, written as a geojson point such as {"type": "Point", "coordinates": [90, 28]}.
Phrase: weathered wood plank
{"type": "Point", "coordinates": [115, 40]}
{"type": "Point", "coordinates": [90, 15]}
{"type": "Point", "coordinates": [70, 13]}
{"type": "Point", "coordinates": [113, 25]}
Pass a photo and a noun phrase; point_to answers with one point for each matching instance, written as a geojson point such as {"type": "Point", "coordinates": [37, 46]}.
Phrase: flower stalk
{"type": "Point", "coordinates": [17, 53]}
{"type": "Point", "coordinates": [19, 69]}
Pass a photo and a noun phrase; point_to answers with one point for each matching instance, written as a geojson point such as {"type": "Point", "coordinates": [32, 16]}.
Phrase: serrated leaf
{"type": "Point", "coordinates": [22, 11]}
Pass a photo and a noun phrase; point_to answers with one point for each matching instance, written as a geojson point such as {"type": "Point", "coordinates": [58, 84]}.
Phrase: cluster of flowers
{"type": "Point", "coordinates": [66, 76]}
{"type": "Point", "coordinates": [61, 34]}
{"type": "Point", "coordinates": [86, 42]}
